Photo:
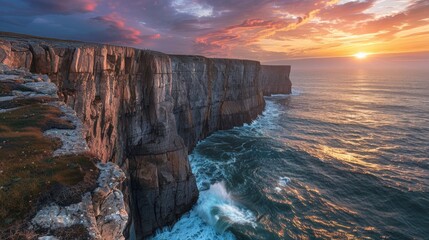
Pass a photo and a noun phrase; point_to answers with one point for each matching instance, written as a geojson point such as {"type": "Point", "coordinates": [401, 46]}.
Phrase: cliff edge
{"type": "Point", "coordinates": [275, 79]}
{"type": "Point", "coordinates": [50, 185]}
{"type": "Point", "coordinates": [145, 110]}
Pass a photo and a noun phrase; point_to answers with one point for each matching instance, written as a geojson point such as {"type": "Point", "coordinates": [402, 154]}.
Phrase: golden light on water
{"type": "Point", "coordinates": [361, 55]}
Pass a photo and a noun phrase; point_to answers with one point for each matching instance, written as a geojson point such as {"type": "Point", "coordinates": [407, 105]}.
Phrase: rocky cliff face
{"type": "Point", "coordinates": [69, 193]}
{"type": "Point", "coordinates": [144, 110]}
{"type": "Point", "coordinates": [213, 94]}
{"type": "Point", "coordinates": [275, 80]}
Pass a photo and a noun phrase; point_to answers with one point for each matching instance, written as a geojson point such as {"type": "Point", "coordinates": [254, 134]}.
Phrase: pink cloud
{"type": "Point", "coordinates": [250, 31]}
{"type": "Point", "coordinates": [412, 17]}
{"type": "Point", "coordinates": [90, 6]}
{"type": "Point", "coordinates": [351, 11]}
{"type": "Point", "coordinates": [155, 36]}
{"type": "Point", "coordinates": [239, 28]}
{"type": "Point", "coordinates": [64, 7]}
{"type": "Point", "coordinates": [118, 31]}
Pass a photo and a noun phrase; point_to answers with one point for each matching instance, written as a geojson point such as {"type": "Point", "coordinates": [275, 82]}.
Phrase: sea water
{"type": "Point", "coordinates": [345, 156]}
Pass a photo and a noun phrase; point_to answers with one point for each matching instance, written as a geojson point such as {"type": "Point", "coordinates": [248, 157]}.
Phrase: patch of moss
{"type": "Point", "coordinates": [28, 172]}
{"type": "Point", "coordinates": [37, 116]}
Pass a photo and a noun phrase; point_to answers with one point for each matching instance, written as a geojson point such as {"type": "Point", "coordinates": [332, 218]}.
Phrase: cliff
{"type": "Point", "coordinates": [275, 79]}
{"type": "Point", "coordinates": [214, 94]}
{"type": "Point", "coordinates": [50, 186]}
{"type": "Point", "coordinates": [144, 110]}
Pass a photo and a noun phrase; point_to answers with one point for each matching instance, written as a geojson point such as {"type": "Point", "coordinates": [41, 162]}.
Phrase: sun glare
{"type": "Point", "coordinates": [361, 55]}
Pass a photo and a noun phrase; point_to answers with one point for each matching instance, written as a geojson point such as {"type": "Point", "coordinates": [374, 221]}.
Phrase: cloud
{"type": "Point", "coordinates": [251, 31]}
{"type": "Point", "coordinates": [193, 8]}
{"type": "Point", "coordinates": [64, 7]}
{"type": "Point", "coordinates": [259, 29]}
{"type": "Point", "coordinates": [43, 7]}
{"type": "Point", "coordinates": [154, 36]}
{"type": "Point", "coordinates": [412, 17]}
{"type": "Point", "coordinates": [117, 31]}
{"type": "Point", "coordinates": [350, 11]}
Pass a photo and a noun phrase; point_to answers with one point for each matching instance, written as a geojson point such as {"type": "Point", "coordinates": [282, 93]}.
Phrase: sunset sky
{"type": "Point", "coordinates": [265, 30]}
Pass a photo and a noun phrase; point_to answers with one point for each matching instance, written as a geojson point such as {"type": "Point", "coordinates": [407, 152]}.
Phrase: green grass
{"type": "Point", "coordinates": [27, 169]}
{"type": "Point", "coordinates": [37, 116]}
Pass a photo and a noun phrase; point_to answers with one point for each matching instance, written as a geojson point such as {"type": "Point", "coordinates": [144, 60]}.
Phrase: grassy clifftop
{"type": "Point", "coordinates": [30, 174]}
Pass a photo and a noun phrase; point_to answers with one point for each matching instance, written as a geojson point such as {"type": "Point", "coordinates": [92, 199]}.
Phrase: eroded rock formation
{"type": "Point", "coordinates": [102, 211]}
{"type": "Point", "coordinates": [275, 79]}
{"type": "Point", "coordinates": [145, 110]}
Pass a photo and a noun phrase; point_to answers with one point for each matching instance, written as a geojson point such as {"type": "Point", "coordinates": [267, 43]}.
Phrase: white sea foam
{"type": "Point", "coordinates": [295, 92]}
{"type": "Point", "coordinates": [283, 181]}
{"type": "Point", "coordinates": [191, 227]}
{"type": "Point", "coordinates": [280, 95]}
{"type": "Point", "coordinates": [210, 219]}
{"type": "Point", "coordinates": [218, 208]}
{"type": "Point", "coordinates": [199, 223]}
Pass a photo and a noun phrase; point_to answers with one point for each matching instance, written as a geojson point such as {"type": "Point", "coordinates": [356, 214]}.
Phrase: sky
{"type": "Point", "coordinates": [265, 30]}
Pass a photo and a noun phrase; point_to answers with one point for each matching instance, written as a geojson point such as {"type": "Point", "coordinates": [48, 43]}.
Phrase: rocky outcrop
{"type": "Point", "coordinates": [101, 210]}
{"type": "Point", "coordinates": [72, 140]}
{"type": "Point", "coordinates": [275, 80]}
{"type": "Point", "coordinates": [145, 110]}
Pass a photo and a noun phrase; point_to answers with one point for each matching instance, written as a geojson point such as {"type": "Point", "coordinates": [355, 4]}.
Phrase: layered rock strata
{"type": "Point", "coordinates": [275, 79]}
{"type": "Point", "coordinates": [101, 211]}
{"type": "Point", "coordinates": [145, 110]}
{"type": "Point", "coordinates": [214, 94]}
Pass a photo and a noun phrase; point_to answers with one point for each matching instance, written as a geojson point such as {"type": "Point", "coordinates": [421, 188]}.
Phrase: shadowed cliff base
{"type": "Point", "coordinates": [144, 110]}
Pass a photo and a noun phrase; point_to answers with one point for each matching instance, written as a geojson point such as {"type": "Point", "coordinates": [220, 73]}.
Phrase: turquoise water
{"type": "Point", "coordinates": [346, 156]}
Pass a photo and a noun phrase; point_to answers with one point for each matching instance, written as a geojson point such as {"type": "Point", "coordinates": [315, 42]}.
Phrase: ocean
{"type": "Point", "coordinates": [345, 156]}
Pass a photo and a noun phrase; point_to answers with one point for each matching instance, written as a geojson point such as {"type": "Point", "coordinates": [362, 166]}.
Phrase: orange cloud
{"type": "Point", "coordinates": [250, 31]}
{"type": "Point", "coordinates": [326, 29]}
{"type": "Point", "coordinates": [257, 29]}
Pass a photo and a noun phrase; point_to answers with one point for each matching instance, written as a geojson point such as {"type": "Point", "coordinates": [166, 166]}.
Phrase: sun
{"type": "Point", "coordinates": [361, 55]}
